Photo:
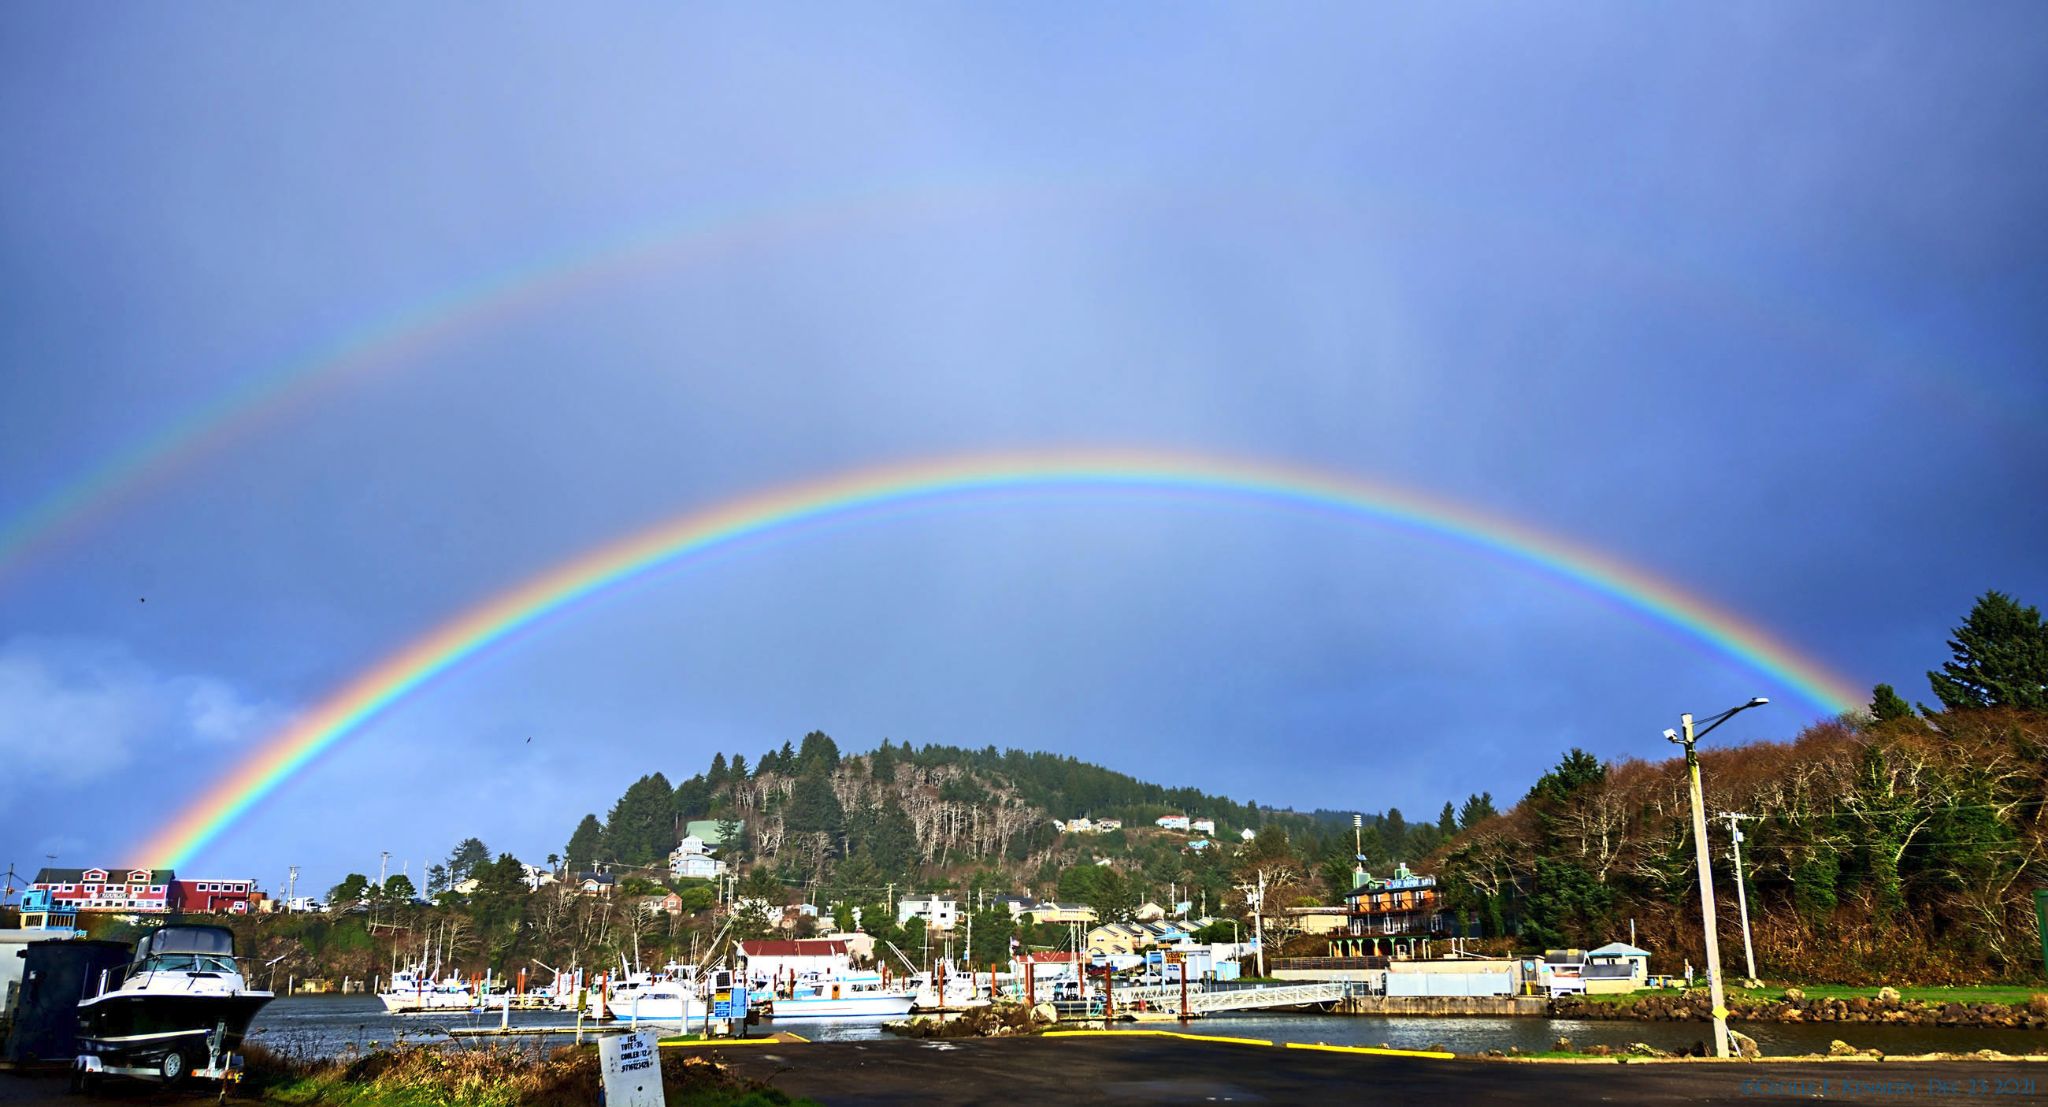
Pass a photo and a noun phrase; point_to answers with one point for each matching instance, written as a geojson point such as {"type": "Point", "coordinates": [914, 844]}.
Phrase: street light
{"type": "Point", "coordinates": [1699, 840]}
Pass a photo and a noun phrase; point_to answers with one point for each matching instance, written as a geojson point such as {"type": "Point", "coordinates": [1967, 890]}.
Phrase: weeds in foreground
{"type": "Point", "coordinates": [493, 1076]}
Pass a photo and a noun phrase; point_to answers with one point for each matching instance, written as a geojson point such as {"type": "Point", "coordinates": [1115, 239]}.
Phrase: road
{"type": "Point", "coordinates": [1138, 1069]}
{"type": "Point", "coordinates": [1133, 1068]}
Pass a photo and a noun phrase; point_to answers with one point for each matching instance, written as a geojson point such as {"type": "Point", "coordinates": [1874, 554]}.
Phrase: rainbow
{"type": "Point", "coordinates": [475, 305]}
{"type": "Point", "coordinates": [470, 307]}
{"type": "Point", "coordinates": [937, 482]}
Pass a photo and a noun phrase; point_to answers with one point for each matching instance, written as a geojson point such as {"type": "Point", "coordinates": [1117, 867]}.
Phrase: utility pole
{"type": "Point", "coordinates": [1706, 869]}
{"type": "Point", "coordinates": [383, 863]}
{"type": "Point", "coordinates": [291, 885]}
{"type": "Point", "coordinates": [1741, 891]}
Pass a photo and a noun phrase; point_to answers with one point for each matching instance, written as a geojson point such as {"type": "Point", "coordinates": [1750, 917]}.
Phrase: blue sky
{"type": "Point", "coordinates": [1750, 297]}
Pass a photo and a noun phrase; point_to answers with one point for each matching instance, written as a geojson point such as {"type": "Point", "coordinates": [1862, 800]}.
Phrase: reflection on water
{"type": "Point", "coordinates": [325, 1026]}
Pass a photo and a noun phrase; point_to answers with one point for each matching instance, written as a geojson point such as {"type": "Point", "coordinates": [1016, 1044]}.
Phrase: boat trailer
{"type": "Point", "coordinates": [173, 1068]}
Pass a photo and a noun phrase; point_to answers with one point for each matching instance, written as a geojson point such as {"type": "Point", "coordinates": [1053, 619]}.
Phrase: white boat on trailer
{"type": "Point", "coordinates": [178, 1010]}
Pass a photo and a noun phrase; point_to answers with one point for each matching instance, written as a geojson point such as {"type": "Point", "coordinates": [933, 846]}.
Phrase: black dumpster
{"type": "Point", "coordinates": [45, 1024]}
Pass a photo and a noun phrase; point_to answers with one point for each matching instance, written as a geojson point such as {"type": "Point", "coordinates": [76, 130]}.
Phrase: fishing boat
{"type": "Point", "coordinates": [673, 997]}
{"type": "Point", "coordinates": [414, 990]}
{"type": "Point", "coordinates": [180, 1004]}
{"type": "Point", "coordinates": [845, 995]}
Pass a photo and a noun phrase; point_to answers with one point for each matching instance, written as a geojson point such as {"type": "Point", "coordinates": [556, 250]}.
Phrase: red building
{"type": "Point", "coordinates": [129, 891]}
{"type": "Point", "coordinates": [218, 897]}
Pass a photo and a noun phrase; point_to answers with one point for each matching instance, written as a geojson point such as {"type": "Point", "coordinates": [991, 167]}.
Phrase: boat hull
{"type": "Point", "coordinates": [849, 1007]}
{"type": "Point", "coordinates": [139, 1028]}
{"type": "Point", "coordinates": [413, 1003]}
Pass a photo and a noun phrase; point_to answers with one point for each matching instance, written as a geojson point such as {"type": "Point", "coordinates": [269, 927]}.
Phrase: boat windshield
{"type": "Point", "coordinates": [186, 949]}
{"type": "Point", "coordinates": [189, 962]}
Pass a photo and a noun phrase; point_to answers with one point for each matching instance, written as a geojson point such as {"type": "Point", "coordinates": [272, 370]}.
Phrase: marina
{"type": "Point", "coordinates": [325, 1026]}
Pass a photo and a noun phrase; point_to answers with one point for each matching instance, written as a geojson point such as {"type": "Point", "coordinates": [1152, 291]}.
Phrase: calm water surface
{"type": "Point", "coordinates": [326, 1026]}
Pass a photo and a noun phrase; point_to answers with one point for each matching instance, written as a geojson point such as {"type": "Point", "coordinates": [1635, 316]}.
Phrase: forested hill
{"type": "Point", "coordinates": [929, 815]}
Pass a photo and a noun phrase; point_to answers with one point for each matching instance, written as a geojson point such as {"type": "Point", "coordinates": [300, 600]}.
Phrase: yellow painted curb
{"type": "Point", "coordinates": [1376, 1051]}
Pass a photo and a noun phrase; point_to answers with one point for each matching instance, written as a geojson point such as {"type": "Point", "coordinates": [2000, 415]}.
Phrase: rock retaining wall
{"type": "Point", "coordinates": [1696, 1006]}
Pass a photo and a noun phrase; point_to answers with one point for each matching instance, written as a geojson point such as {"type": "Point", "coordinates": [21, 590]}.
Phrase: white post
{"type": "Point", "coordinates": [1741, 892]}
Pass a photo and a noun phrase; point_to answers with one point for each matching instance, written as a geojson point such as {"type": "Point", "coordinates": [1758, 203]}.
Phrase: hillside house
{"type": "Point", "coordinates": [1132, 937]}
{"type": "Point", "coordinates": [1202, 826]}
{"type": "Point", "coordinates": [216, 897]}
{"type": "Point", "coordinates": [1050, 912]}
{"type": "Point", "coordinates": [130, 891]}
{"type": "Point", "coordinates": [692, 860]}
{"type": "Point", "coordinates": [1171, 822]}
{"type": "Point", "coordinates": [938, 912]}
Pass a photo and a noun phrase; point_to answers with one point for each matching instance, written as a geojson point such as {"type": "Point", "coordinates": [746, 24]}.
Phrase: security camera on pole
{"type": "Point", "coordinates": [1699, 839]}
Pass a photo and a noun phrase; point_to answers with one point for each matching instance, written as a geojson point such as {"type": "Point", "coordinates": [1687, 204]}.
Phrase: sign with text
{"type": "Point", "coordinates": [730, 1004]}
{"type": "Point", "coordinates": [632, 1069]}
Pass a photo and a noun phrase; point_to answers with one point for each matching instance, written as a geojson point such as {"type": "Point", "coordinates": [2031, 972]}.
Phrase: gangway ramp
{"type": "Point", "coordinates": [1217, 998]}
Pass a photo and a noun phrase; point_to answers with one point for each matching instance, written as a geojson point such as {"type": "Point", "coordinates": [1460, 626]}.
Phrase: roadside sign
{"type": "Point", "coordinates": [632, 1069]}
{"type": "Point", "coordinates": [1176, 957]}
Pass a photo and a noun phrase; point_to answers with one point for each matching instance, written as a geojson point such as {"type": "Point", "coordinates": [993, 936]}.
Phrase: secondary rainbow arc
{"type": "Point", "coordinates": [612, 564]}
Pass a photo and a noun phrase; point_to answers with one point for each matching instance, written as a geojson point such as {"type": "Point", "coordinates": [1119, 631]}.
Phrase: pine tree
{"type": "Point", "coordinates": [693, 798]}
{"type": "Point", "coordinates": [813, 808]}
{"type": "Point", "coordinates": [585, 845]}
{"type": "Point", "coordinates": [717, 776]}
{"type": "Point", "coordinates": [739, 766]}
{"type": "Point", "coordinates": [882, 764]}
{"type": "Point", "coordinates": [1477, 809]}
{"type": "Point", "coordinates": [463, 862]}
{"type": "Point", "coordinates": [818, 750]}
{"type": "Point", "coordinates": [1446, 822]}
{"type": "Point", "coordinates": [1886, 705]}
{"type": "Point", "coordinates": [2001, 658]}
{"type": "Point", "coordinates": [1394, 833]}
{"type": "Point", "coordinates": [641, 827]}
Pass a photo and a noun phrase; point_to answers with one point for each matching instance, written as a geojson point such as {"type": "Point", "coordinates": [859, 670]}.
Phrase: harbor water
{"type": "Point", "coordinates": [327, 1026]}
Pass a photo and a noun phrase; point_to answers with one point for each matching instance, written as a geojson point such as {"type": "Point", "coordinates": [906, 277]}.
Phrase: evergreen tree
{"type": "Point", "coordinates": [732, 834]}
{"type": "Point", "coordinates": [1886, 705]}
{"type": "Point", "coordinates": [1394, 833]}
{"type": "Point", "coordinates": [892, 843]}
{"type": "Point", "coordinates": [398, 889]}
{"type": "Point", "coordinates": [819, 751]}
{"type": "Point", "coordinates": [813, 808]}
{"type": "Point", "coordinates": [739, 767]}
{"type": "Point", "coordinates": [641, 827]}
{"type": "Point", "coordinates": [1446, 822]}
{"type": "Point", "coordinates": [693, 798]}
{"type": "Point", "coordinates": [716, 778]}
{"type": "Point", "coordinates": [463, 862]}
{"type": "Point", "coordinates": [882, 765]}
{"type": "Point", "coordinates": [353, 889]}
{"type": "Point", "coordinates": [1477, 809]}
{"type": "Point", "coordinates": [2001, 658]}
{"type": "Point", "coordinates": [585, 845]}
